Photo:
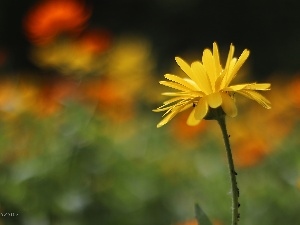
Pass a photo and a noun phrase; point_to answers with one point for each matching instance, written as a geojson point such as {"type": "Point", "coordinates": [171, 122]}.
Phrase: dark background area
{"type": "Point", "coordinates": [270, 29]}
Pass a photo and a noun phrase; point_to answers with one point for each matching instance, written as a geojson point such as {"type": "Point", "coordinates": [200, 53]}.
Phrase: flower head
{"type": "Point", "coordinates": [207, 86]}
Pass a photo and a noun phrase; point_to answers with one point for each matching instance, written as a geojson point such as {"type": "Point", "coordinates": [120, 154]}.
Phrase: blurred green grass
{"type": "Point", "coordinates": [77, 167]}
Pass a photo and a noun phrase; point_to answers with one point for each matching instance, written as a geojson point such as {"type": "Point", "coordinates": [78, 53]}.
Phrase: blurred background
{"type": "Point", "coordinates": [78, 140]}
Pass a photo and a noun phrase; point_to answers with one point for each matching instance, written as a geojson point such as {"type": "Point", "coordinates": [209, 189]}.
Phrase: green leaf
{"type": "Point", "coordinates": [201, 217]}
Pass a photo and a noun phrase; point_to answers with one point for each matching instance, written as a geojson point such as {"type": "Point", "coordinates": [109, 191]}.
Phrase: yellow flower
{"type": "Point", "coordinates": [207, 86]}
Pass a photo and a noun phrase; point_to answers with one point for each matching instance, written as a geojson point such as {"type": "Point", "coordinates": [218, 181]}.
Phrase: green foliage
{"type": "Point", "coordinates": [78, 168]}
{"type": "Point", "coordinates": [201, 216]}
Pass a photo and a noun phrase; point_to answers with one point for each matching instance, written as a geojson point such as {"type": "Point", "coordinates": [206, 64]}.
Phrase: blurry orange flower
{"type": "Point", "coordinates": [50, 96]}
{"type": "Point", "coordinates": [53, 17]}
{"type": "Point", "coordinates": [274, 127]}
{"type": "Point", "coordinates": [252, 147]}
{"type": "Point", "coordinates": [184, 132]}
{"type": "Point", "coordinates": [112, 98]}
{"type": "Point", "coordinates": [249, 153]}
{"type": "Point", "coordinates": [194, 222]}
{"type": "Point", "coordinates": [16, 97]}
{"type": "Point", "coordinates": [24, 96]}
{"type": "Point", "coordinates": [294, 91]}
{"type": "Point", "coordinates": [189, 222]}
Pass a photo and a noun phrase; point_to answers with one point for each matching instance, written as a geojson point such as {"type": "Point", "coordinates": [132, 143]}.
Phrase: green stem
{"type": "Point", "coordinates": [234, 188]}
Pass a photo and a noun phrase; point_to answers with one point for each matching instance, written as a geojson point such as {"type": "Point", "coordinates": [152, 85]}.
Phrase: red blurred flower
{"type": "Point", "coordinates": [95, 41]}
{"type": "Point", "coordinates": [53, 17]}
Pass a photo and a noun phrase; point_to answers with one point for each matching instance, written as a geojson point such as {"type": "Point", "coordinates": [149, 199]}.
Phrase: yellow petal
{"type": "Point", "coordinates": [229, 57]}
{"type": "Point", "coordinates": [245, 54]}
{"type": "Point", "coordinates": [260, 87]}
{"type": "Point", "coordinates": [185, 67]}
{"type": "Point", "coordinates": [253, 86]}
{"type": "Point", "coordinates": [209, 65]}
{"type": "Point", "coordinates": [201, 109]}
{"type": "Point", "coordinates": [227, 65]}
{"type": "Point", "coordinates": [219, 83]}
{"type": "Point", "coordinates": [192, 121]}
{"type": "Point", "coordinates": [202, 80]}
{"type": "Point", "coordinates": [174, 85]}
{"type": "Point", "coordinates": [180, 81]}
{"type": "Point", "coordinates": [228, 105]}
{"type": "Point", "coordinates": [169, 116]}
{"type": "Point", "coordinates": [214, 100]}
{"type": "Point", "coordinates": [217, 59]}
{"type": "Point", "coordinates": [174, 94]}
{"type": "Point", "coordinates": [166, 119]}
{"type": "Point", "coordinates": [165, 107]}
{"type": "Point", "coordinates": [227, 73]}
{"type": "Point", "coordinates": [187, 106]}
{"type": "Point", "coordinates": [193, 94]}
{"type": "Point", "coordinates": [256, 97]}
{"type": "Point", "coordinates": [174, 100]}
{"type": "Point", "coordinates": [162, 108]}
{"type": "Point", "coordinates": [184, 104]}
{"type": "Point", "coordinates": [235, 87]}
{"type": "Point", "coordinates": [237, 66]}
{"type": "Point", "coordinates": [193, 83]}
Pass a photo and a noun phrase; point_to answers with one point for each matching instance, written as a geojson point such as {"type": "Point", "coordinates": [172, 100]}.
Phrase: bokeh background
{"type": "Point", "coordinates": [78, 140]}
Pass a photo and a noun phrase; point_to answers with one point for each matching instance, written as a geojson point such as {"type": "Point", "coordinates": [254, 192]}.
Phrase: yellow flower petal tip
{"type": "Point", "coordinates": [207, 85]}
